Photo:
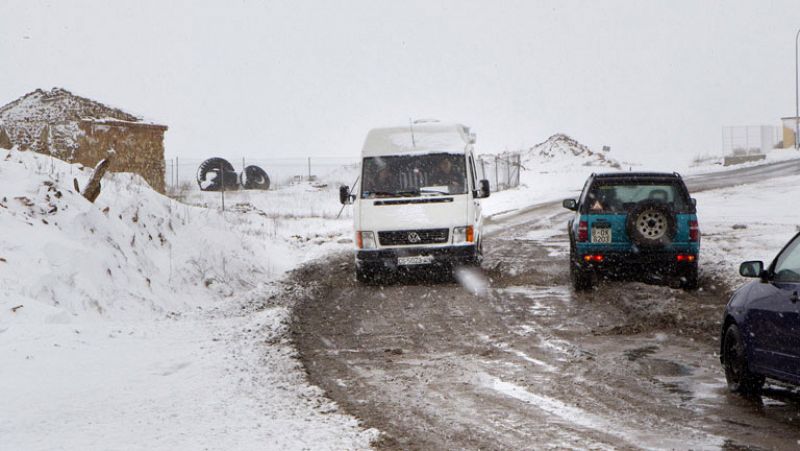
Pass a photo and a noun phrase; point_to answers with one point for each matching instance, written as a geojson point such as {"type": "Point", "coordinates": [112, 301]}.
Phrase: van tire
{"type": "Point", "coordinates": [478, 255]}
{"type": "Point", "coordinates": [364, 275]}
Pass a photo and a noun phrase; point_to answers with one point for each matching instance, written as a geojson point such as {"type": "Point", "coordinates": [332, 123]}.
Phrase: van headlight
{"type": "Point", "coordinates": [463, 235]}
{"type": "Point", "coordinates": [366, 240]}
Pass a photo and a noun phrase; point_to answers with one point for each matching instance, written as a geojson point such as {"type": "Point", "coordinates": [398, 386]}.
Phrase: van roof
{"type": "Point", "coordinates": [427, 137]}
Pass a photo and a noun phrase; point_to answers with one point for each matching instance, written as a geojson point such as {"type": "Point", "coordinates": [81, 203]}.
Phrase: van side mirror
{"type": "Point", "coordinates": [694, 201]}
{"type": "Point", "coordinates": [344, 195]}
{"type": "Point", "coordinates": [484, 191]}
{"type": "Point", "coordinates": [570, 204]}
{"type": "Point", "coordinates": [752, 269]}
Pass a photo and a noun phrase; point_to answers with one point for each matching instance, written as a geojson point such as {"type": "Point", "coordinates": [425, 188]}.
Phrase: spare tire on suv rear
{"type": "Point", "coordinates": [651, 223]}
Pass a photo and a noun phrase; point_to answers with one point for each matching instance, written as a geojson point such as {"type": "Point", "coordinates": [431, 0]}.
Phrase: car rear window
{"type": "Point", "coordinates": [618, 197]}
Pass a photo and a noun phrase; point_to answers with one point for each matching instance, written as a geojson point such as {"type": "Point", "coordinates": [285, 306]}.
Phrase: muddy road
{"type": "Point", "coordinates": [512, 358]}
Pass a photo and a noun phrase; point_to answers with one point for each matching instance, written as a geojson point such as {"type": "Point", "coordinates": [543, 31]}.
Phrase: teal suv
{"type": "Point", "coordinates": [634, 224]}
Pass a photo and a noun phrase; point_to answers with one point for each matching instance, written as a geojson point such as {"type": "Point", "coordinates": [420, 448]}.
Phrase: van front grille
{"type": "Point", "coordinates": [412, 237]}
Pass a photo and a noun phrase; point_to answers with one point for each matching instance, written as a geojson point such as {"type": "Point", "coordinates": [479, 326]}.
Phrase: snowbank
{"type": "Point", "coordinates": [141, 323]}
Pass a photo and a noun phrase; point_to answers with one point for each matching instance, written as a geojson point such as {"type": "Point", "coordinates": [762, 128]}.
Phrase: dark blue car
{"type": "Point", "coordinates": [761, 328]}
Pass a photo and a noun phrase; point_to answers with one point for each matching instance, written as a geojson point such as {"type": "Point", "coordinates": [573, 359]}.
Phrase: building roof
{"type": "Point", "coordinates": [51, 121]}
{"type": "Point", "coordinates": [425, 137]}
{"type": "Point", "coordinates": [59, 105]}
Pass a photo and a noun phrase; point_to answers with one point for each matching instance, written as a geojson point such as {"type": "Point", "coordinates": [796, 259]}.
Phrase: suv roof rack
{"type": "Point", "coordinates": [636, 174]}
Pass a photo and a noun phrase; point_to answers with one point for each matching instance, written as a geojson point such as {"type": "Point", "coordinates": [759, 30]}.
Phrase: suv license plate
{"type": "Point", "coordinates": [601, 235]}
{"type": "Point", "coordinates": [415, 260]}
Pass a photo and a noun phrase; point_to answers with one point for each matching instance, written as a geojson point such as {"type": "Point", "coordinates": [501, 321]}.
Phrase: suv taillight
{"type": "Point", "coordinates": [583, 231]}
{"type": "Point", "coordinates": [694, 231]}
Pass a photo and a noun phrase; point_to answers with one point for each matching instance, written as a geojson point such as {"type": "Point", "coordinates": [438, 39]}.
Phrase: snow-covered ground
{"type": "Point", "coordinates": [141, 323]}
{"type": "Point", "coordinates": [747, 222]}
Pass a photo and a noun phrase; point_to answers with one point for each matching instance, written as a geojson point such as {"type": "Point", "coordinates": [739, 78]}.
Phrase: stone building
{"type": "Point", "coordinates": [80, 130]}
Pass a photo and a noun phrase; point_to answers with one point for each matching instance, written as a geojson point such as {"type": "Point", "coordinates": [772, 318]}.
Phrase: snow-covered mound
{"type": "Point", "coordinates": [564, 150]}
{"type": "Point", "coordinates": [132, 253]}
{"type": "Point", "coordinates": [139, 310]}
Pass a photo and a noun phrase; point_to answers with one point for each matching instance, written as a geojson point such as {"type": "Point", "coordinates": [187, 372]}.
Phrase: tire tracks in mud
{"type": "Point", "coordinates": [529, 364]}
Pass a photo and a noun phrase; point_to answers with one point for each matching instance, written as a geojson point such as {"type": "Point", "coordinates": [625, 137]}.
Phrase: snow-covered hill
{"type": "Point", "coordinates": [562, 150]}
{"type": "Point", "coordinates": [138, 322]}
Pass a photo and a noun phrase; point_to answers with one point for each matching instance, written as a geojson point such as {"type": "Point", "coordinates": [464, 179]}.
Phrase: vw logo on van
{"type": "Point", "coordinates": [413, 237]}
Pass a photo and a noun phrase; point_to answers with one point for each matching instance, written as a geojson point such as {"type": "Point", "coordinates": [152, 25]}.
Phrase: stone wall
{"type": "Point", "coordinates": [139, 148]}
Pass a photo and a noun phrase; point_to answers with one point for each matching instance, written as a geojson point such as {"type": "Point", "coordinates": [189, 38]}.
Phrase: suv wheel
{"type": "Point", "coordinates": [581, 279]}
{"type": "Point", "coordinates": [689, 278]}
{"type": "Point", "coordinates": [737, 373]}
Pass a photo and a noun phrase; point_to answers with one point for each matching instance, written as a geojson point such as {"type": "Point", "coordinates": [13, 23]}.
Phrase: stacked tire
{"type": "Point", "coordinates": [216, 173]}
{"type": "Point", "coordinates": [253, 177]}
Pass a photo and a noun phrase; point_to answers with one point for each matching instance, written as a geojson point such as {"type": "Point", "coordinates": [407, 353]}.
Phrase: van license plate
{"type": "Point", "coordinates": [415, 260]}
{"type": "Point", "coordinates": [601, 235]}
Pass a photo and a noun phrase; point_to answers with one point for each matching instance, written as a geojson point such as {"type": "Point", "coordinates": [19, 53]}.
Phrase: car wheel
{"type": "Point", "coordinates": [581, 280]}
{"type": "Point", "coordinates": [737, 372]}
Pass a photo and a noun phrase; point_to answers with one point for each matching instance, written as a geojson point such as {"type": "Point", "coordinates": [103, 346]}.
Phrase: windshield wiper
{"type": "Point", "coordinates": [389, 193]}
{"type": "Point", "coordinates": [408, 192]}
{"type": "Point", "coordinates": [433, 191]}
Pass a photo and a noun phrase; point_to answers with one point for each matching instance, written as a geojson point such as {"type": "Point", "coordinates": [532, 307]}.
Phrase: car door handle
{"type": "Point", "coordinates": [794, 297]}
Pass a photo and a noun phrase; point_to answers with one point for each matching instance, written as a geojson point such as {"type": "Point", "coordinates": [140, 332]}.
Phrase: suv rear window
{"type": "Point", "coordinates": [619, 197]}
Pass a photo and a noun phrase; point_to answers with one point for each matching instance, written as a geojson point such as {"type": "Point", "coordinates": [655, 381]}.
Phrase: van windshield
{"type": "Point", "coordinates": [414, 175]}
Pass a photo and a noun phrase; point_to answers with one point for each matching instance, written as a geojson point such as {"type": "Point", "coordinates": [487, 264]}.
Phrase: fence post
{"type": "Point", "coordinates": [222, 180]}
{"type": "Point", "coordinates": [508, 172]}
{"type": "Point", "coordinates": [496, 175]}
{"type": "Point", "coordinates": [177, 178]}
{"type": "Point", "coordinates": [309, 169]}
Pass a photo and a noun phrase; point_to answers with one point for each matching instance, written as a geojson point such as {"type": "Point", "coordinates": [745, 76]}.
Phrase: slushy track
{"type": "Point", "coordinates": [527, 363]}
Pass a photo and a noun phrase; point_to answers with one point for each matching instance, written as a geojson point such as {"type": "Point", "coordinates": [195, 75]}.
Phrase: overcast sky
{"type": "Point", "coordinates": [656, 81]}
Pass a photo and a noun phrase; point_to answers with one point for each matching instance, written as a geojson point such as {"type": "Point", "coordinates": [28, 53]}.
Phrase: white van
{"type": "Point", "coordinates": [418, 201]}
